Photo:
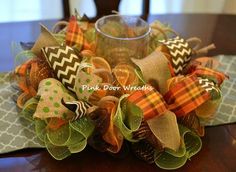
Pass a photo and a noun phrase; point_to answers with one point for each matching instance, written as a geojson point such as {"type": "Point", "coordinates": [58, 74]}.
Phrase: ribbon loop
{"type": "Point", "coordinates": [74, 35]}
{"type": "Point", "coordinates": [150, 101]}
{"type": "Point", "coordinates": [203, 71]}
{"type": "Point", "coordinates": [180, 53]}
{"type": "Point", "coordinates": [186, 95]}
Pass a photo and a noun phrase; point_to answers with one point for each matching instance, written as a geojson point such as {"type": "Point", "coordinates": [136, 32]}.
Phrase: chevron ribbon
{"type": "Point", "coordinates": [79, 107]}
{"type": "Point", "coordinates": [186, 95]}
{"type": "Point", "coordinates": [207, 72]}
{"type": "Point", "coordinates": [150, 101]}
{"type": "Point", "coordinates": [210, 87]}
{"type": "Point", "coordinates": [206, 84]}
{"type": "Point", "coordinates": [64, 62]}
{"type": "Point", "coordinates": [74, 35]}
{"type": "Point", "coordinates": [180, 53]}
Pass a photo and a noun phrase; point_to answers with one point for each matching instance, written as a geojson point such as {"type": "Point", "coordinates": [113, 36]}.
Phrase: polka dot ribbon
{"type": "Point", "coordinates": [51, 91]}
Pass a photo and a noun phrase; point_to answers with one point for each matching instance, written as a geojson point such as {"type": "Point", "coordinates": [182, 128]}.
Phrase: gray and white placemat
{"type": "Point", "coordinates": [226, 112]}
{"type": "Point", "coordinates": [15, 131]}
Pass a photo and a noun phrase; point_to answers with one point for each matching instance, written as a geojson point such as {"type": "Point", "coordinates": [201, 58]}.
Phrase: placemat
{"type": "Point", "coordinates": [17, 133]}
{"type": "Point", "coordinates": [226, 112]}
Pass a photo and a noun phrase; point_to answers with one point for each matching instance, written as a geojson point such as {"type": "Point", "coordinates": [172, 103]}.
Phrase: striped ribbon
{"type": "Point", "coordinates": [79, 107]}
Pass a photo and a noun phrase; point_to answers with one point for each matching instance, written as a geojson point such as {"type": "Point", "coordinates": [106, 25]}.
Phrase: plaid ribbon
{"type": "Point", "coordinates": [150, 101]}
{"type": "Point", "coordinates": [186, 96]}
{"type": "Point", "coordinates": [74, 35]}
{"type": "Point", "coordinates": [203, 71]}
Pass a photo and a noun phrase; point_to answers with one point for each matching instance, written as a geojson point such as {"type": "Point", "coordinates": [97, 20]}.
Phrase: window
{"type": "Point", "coordinates": [27, 10]}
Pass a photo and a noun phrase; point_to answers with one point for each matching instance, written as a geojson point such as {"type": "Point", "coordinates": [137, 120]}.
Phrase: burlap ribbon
{"type": "Point", "coordinates": [51, 92]}
{"type": "Point", "coordinates": [165, 129]}
{"type": "Point", "coordinates": [151, 67]}
{"type": "Point", "coordinates": [45, 39]}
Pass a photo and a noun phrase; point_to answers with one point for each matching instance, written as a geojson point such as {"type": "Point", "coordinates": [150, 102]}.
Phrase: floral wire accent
{"type": "Point", "coordinates": [75, 98]}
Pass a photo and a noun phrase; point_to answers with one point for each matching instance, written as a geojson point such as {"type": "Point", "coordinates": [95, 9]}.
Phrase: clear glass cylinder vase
{"type": "Point", "coordinates": [120, 38]}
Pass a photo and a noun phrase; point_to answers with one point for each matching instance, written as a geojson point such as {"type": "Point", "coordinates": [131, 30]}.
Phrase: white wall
{"type": "Point", "coordinates": [83, 7]}
{"type": "Point", "coordinates": [134, 7]}
{"type": "Point", "coordinates": [193, 6]}
{"type": "Point", "coordinates": [131, 7]}
{"type": "Point", "coordinates": [26, 10]}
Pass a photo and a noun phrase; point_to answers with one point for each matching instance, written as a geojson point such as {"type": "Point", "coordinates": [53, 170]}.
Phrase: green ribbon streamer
{"type": "Point", "coordinates": [60, 37]}
{"type": "Point", "coordinates": [70, 138]}
{"type": "Point", "coordinates": [30, 108]}
{"type": "Point", "coordinates": [140, 76]}
{"type": "Point", "coordinates": [20, 55]}
{"type": "Point", "coordinates": [76, 142]}
{"type": "Point", "coordinates": [84, 126]}
{"type": "Point", "coordinates": [40, 129]}
{"type": "Point", "coordinates": [191, 145]}
{"type": "Point", "coordinates": [128, 118]}
{"type": "Point", "coordinates": [90, 35]}
{"type": "Point", "coordinates": [154, 39]}
{"type": "Point", "coordinates": [60, 136]}
{"type": "Point", "coordinates": [57, 152]}
{"type": "Point", "coordinates": [23, 56]}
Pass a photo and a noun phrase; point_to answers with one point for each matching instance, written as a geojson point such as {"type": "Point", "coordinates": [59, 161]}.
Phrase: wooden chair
{"type": "Point", "coordinates": [66, 9]}
{"type": "Point", "coordinates": [105, 7]}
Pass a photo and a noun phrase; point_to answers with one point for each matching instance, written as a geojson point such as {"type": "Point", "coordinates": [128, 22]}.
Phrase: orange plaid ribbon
{"type": "Point", "coordinates": [203, 71]}
{"type": "Point", "coordinates": [74, 35]}
{"type": "Point", "coordinates": [185, 96]}
{"type": "Point", "coordinates": [150, 101]}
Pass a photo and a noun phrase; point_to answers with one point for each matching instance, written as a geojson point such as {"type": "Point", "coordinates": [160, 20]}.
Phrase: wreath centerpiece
{"type": "Point", "coordinates": [154, 105]}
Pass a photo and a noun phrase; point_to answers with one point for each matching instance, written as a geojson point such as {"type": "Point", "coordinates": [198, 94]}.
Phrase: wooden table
{"type": "Point", "coordinates": [218, 153]}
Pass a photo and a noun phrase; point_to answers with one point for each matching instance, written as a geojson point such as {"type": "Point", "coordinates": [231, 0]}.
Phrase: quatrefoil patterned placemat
{"type": "Point", "coordinates": [17, 133]}
{"type": "Point", "coordinates": [226, 112]}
